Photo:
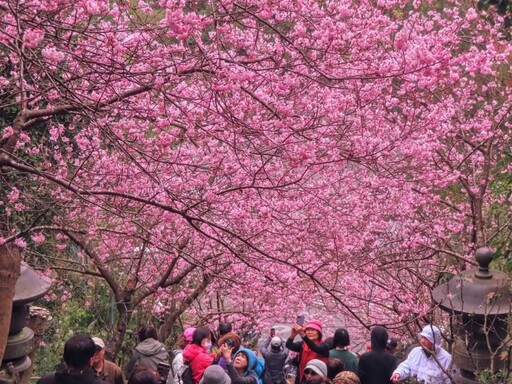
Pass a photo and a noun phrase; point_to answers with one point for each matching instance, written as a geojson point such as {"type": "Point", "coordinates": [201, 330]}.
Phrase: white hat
{"type": "Point", "coordinates": [317, 366]}
{"type": "Point", "coordinates": [276, 342]}
{"type": "Point", "coordinates": [98, 342]}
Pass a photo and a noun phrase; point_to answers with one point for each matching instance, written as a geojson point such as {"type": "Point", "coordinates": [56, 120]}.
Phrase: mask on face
{"type": "Point", "coordinates": [207, 345]}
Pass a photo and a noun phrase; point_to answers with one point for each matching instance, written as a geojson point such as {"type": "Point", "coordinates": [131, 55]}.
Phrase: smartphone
{"type": "Point", "coordinates": [300, 320]}
{"type": "Point", "coordinates": [229, 343]}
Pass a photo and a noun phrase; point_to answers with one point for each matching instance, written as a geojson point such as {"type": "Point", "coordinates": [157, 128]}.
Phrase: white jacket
{"type": "Point", "coordinates": [425, 368]}
{"type": "Point", "coordinates": [177, 368]}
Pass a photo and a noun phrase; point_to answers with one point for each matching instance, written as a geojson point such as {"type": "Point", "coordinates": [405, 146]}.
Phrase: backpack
{"type": "Point", "coordinates": [185, 376]}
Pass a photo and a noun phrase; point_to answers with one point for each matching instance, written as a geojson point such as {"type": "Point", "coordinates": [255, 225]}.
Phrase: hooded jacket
{"type": "Point", "coordinates": [148, 354]}
{"type": "Point", "coordinates": [87, 377]}
{"type": "Point", "coordinates": [254, 372]}
{"type": "Point", "coordinates": [274, 361]}
{"type": "Point", "coordinates": [376, 366]}
{"type": "Point", "coordinates": [197, 359]}
{"type": "Point", "coordinates": [424, 367]}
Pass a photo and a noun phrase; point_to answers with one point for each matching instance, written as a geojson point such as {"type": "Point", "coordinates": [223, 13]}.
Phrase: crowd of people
{"type": "Point", "coordinates": [306, 357]}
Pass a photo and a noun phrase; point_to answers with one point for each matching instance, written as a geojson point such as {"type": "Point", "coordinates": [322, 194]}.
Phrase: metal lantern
{"type": "Point", "coordinates": [479, 302]}
{"type": "Point", "coordinates": [29, 287]}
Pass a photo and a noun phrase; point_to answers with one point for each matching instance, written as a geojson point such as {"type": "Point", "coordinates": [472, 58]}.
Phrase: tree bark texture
{"type": "Point", "coordinates": [10, 265]}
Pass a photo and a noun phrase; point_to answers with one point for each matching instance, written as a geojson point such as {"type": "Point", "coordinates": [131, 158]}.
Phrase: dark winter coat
{"type": "Point", "coordinates": [88, 376]}
{"type": "Point", "coordinates": [377, 366]}
{"type": "Point", "coordinates": [274, 361]}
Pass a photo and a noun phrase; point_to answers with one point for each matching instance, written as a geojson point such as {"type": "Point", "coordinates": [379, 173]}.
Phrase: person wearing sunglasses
{"type": "Point", "coordinates": [315, 368]}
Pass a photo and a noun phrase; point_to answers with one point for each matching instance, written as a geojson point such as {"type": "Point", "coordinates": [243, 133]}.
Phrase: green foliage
{"type": "Point", "coordinates": [67, 320]}
{"type": "Point", "coordinates": [488, 377]}
{"type": "Point", "coordinates": [87, 310]}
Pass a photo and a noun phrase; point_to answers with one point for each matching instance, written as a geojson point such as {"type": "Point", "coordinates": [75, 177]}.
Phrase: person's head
{"type": "Point", "coordinates": [334, 366]}
{"type": "Point", "coordinates": [232, 340]}
{"type": "Point", "coordinates": [272, 332]}
{"type": "Point", "coordinates": [315, 367]}
{"type": "Point", "coordinates": [186, 337]}
{"type": "Point", "coordinates": [244, 360]}
{"type": "Point", "coordinates": [341, 338]}
{"type": "Point", "coordinates": [215, 374]}
{"type": "Point", "coordinates": [430, 337]}
{"type": "Point", "coordinates": [143, 376]}
{"type": "Point", "coordinates": [225, 328]}
{"type": "Point", "coordinates": [379, 338]}
{"type": "Point", "coordinates": [275, 344]}
{"type": "Point", "coordinates": [147, 333]}
{"type": "Point", "coordinates": [241, 361]}
{"type": "Point", "coordinates": [99, 355]}
{"type": "Point", "coordinates": [202, 337]}
{"type": "Point", "coordinates": [346, 377]}
{"type": "Point", "coordinates": [391, 346]}
{"type": "Point", "coordinates": [314, 330]}
{"type": "Point", "coordinates": [78, 351]}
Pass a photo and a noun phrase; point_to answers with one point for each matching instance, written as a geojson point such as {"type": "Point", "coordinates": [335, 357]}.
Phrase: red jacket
{"type": "Point", "coordinates": [308, 350]}
{"type": "Point", "coordinates": [197, 359]}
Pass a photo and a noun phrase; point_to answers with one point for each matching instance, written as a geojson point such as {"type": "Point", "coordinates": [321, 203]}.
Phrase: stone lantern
{"type": "Point", "coordinates": [479, 302]}
{"type": "Point", "coordinates": [29, 287]}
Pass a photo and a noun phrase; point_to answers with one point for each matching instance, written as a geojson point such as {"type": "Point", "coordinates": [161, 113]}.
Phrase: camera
{"type": "Point", "coordinates": [229, 343]}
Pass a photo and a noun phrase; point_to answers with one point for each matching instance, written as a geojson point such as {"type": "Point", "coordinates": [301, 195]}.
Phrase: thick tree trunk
{"type": "Point", "coordinates": [10, 265]}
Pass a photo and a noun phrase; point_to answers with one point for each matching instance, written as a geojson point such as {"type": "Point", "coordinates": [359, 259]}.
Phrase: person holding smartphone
{"type": "Point", "coordinates": [231, 340]}
{"type": "Point", "coordinates": [310, 347]}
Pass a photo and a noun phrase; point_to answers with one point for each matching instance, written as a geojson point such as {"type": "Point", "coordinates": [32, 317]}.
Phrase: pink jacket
{"type": "Point", "coordinates": [197, 359]}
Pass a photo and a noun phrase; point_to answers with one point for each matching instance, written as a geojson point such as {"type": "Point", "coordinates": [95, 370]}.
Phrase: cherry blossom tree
{"type": "Point", "coordinates": [286, 154]}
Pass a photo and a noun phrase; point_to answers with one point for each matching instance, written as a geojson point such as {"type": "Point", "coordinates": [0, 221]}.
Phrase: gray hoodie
{"type": "Point", "coordinates": [147, 354]}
